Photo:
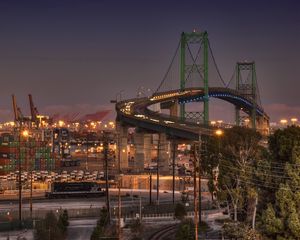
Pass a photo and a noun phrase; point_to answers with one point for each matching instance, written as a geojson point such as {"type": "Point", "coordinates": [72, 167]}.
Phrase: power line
{"type": "Point", "coordinates": [253, 172]}
{"type": "Point", "coordinates": [269, 168]}
{"type": "Point", "coordinates": [263, 185]}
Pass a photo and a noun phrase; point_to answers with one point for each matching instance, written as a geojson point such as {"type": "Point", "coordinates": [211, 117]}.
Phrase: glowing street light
{"type": "Point", "coordinates": [61, 123]}
{"type": "Point", "coordinates": [219, 132]}
{"type": "Point", "coordinates": [25, 133]}
{"type": "Point", "coordinates": [294, 120]}
{"type": "Point", "coordinates": [283, 121]}
{"type": "Point", "coordinates": [213, 123]}
{"type": "Point", "coordinates": [220, 122]}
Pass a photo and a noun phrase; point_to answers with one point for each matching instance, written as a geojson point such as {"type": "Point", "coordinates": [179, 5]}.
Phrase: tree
{"type": "Point", "coordinates": [281, 219]}
{"type": "Point", "coordinates": [282, 143]}
{"type": "Point", "coordinates": [63, 221]}
{"type": "Point", "coordinates": [103, 229]}
{"type": "Point", "coordinates": [185, 231]}
{"type": "Point", "coordinates": [272, 224]}
{"type": "Point", "coordinates": [210, 161]}
{"type": "Point", "coordinates": [281, 146]}
{"type": "Point", "coordinates": [137, 229]}
{"type": "Point", "coordinates": [180, 211]}
{"type": "Point", "coordinates": [48, 228]}
{"type": "Point", "coordinates": [236, 230]}
{"type": "Point", "coordinates": [239, 149]}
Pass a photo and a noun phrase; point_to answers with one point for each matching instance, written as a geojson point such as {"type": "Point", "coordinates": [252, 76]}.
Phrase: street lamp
{"type": "Point", "coordinates": [219, 132]}
{"type": "Point", "coordinates": [144, 91]}
{"type": "Point", "coordinates": [294, 120]}
{"type": "Point", "coordinates": [283, 121]}
{"type": "Point", "coordinates": [213, 123]}
{"type": "Point", "coordinates": [247, 120]}
{"type": "Point", "coordinates": [87, 152]}
{"type": "Point", "coordinates": [118, 94]}
{"type": "Point", "coordinates": [31, 177]}
{"type": "Point", "coordinates": [25, 134]}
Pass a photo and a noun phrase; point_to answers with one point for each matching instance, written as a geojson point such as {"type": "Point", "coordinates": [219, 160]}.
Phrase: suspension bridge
{"type": "Point", "coordinates": [193, 66]}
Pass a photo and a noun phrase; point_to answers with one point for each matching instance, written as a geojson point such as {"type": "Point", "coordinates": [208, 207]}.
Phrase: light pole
{"type": "Point", "coordinates": [284, 122]}
{"type": "Point", "coordinates": [219, 133]}
{"type": "Point", "coordinates": [195, 194]}
{"type": "Point", "coordinates": [24, 133]}
{"type": "Point", "coordinates": [87, 152]}
{"type": "Point", "coordinates": [173, 171]}
{"type": "Point", "coordinates": [31, 181]}
{"type": "Point", "coordinates": [157, 171]}
{"type": "Point", "coordinates": [199, 180]}
{"type": "Point", "coordinates": [119, 186]}
{"type": "Point", "coordinates": [150, 187]}
{"type": "Point", "coordinates": [105, 147]}
{"type": "Point", "coordinates": [147, 92]}
{"type": "Point", "coordinates": [294, 121]}
{"type": "Point", "coordinates": [118, 94]}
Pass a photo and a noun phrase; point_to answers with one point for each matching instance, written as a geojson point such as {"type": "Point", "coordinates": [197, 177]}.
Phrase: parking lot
{"type": "Point", "coordinates": [10, 181]}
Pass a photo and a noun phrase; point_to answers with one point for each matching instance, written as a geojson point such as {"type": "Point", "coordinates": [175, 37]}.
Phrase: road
{"type": "Point", "coordinates": [83, 203]}
{"type": "Point", "coordinates": [81, 229]}
{"type": "Point", "coordinates": [56, 204]}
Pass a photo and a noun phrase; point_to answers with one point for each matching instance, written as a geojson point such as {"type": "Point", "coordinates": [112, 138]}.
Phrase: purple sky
{"type": "Point", "coordinates": [81, 53]}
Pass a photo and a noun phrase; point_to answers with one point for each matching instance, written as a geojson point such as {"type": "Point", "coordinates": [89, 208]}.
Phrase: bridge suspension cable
{"type": "Point", "coordinates": [214, 60]}
{"type": "Point", "coordinates": [169, 68]}
{"type": "Point", "coordinates": [232, 77]}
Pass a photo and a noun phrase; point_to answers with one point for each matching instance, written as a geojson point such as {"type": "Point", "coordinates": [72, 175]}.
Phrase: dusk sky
{"type": "Point", "coordinates": [79, 54]}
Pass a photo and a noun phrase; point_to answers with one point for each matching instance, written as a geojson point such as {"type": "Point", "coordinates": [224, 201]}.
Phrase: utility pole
{"type": "Point", "coordinates": [199, 166]}
{"type": "Point", "coordinates": [20, 184]}
{"type": "Point", "coordinates": [105, 146]}
{"type": "Point", "coordinates": [119, 187]}
{"type": "Point", "coordinates": [87, 152]}
{"type": "Point", "coordinates": [195, 195]}
{"type": "Point", "coordinates": [173, 168]}
{"type": "Point", "coordinates": [140, 208]}
{"type": "Point", "coordinates": [157, 171]}
{"type": "Point", "coordinates": [31, 166]}
{"type": "Point", "coordinates": [150, 188]}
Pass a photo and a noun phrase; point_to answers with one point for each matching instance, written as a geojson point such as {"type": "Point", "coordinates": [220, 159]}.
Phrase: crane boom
{"type": "Point", "coordinates": [15, 108]}
{"type": "Point", "coordinates": [32, 109]}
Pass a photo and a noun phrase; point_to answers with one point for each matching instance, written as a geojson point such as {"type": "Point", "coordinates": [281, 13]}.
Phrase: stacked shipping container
{"type": "Point", "coordinates": [35, 153]}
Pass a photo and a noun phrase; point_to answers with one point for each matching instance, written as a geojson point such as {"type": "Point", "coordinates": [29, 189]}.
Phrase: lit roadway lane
{"type": "Point", "coordinates": [54, 204]}
{"type": "Point", "coordinates": [84, 203]}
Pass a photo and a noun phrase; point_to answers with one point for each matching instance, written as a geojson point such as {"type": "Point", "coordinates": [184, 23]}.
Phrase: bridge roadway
{"type": "Point", "coordinates": [135, 111]}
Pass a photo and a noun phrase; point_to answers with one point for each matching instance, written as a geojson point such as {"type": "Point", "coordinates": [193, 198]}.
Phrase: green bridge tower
{"type": "Point", "coordinates": [200, 38]}
{"type": "Point", "coordinates": [246, 88]}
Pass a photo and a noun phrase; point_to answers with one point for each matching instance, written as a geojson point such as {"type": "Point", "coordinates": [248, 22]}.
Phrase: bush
{"type": "Point", "coordinates": [48, 228]}
{"type": "Point", "coordinates": [137, 229]}
{"type": "Point", "coordinates": [63, 221]}
{"type": "Point", "coordinates": [103, 229]}
{"type": "Point", "coordinates": [180, 211]}
{"type": "Point", "coordinates": [185, 231]}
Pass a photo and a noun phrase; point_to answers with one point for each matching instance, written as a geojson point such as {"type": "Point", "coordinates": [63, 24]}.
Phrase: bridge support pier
{"type": "Point", "coordinates": [163, 154]}
{"type": "Point", "coordinates": [172, 106]}
{"type": "Point", "coordinates": [122, 145]}
{"type": "Point", "coordinates": [174, 109]}
{"type": "Point", "coordinates": [263, 125]}
{"type": "Point", "coordinates": [142, 142]}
